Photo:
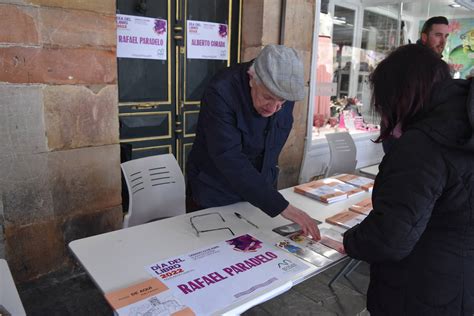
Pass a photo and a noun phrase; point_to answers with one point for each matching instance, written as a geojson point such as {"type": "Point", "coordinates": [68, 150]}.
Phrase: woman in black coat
{"type": "Point", "coordinates": [419, 238]}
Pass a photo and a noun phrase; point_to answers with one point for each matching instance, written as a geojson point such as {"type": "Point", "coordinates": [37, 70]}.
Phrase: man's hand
{"type": "Point", "coordinates": [308, 225]}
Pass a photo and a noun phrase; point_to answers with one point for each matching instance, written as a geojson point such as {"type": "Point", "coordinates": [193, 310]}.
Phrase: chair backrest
{"type": "Point", "coordinates": [343, 153]}
{"type": "Point", "coordinates": [9, 298]}
{"type": "Point", "coordinates": [156, 189]}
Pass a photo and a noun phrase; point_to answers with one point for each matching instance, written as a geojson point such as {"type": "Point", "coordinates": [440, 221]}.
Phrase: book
{"type": "Point", "coordinates": [315, 246]}
{"type": "Point", "coordinates": [292, 228]}
{"type": "Point", "coordinates": [346, 219]}
{"type": "Point", "coordinates": [363, 207]}
{"type": "Point", "coordinates": [349, 189]}
{"type": "Point", "coordinates": [364, 183]}
{"type": "Point", "coordinates": [146, 298]}
{"type": "Point", "coordinates": [303, 253]}
{"type": "Point", "coordinates": [332, 239]}
{"type": "Point", "coordinates": [325, 190]}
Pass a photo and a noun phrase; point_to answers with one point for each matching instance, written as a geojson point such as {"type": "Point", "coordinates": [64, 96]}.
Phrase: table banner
{"type": "Point", "coordinates": [209, 279]}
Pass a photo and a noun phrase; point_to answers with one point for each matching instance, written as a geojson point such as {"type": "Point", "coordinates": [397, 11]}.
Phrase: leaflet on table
{"type": "Point", "coordinates": [209, 279]}
{"type": "Point", "coordinates": [150, 297]}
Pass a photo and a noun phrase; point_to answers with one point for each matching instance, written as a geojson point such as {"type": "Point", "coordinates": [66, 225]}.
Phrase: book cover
{"type": "Point", "coordinates": [332, 239]}
{"type": "Point", "coordinates": [315, 246]}
{"type": "Point", "coordinates": [291, 228]}
{"type": "Point", "coordinates": [346, 219]}
{"type": "Point", "coordinates": [150, 297]}
{"type": "Point", "coordinates": [349, 189]}
{"type": "Point", "coordinates": [364, 183]}
{"type": "Point", "coordinates": [303, 253]}
{"type": "Point", "coordinates": [324, 190]}
{"type": "Point", "coordinates": [363, 207]}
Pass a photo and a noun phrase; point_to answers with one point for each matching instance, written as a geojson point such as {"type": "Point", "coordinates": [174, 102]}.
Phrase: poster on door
{"type": "Point", "coordinates": [207, 40]}
{"type": "Point", "coordinates": [141, 37]}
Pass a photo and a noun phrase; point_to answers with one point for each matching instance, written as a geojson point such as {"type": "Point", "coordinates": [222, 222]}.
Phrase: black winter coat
{"type": "Point", "coordinates": [419, 238]}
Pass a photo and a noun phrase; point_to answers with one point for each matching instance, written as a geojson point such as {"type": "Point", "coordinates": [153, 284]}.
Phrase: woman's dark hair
{"type": "Point", "coordinates": [402, 83]}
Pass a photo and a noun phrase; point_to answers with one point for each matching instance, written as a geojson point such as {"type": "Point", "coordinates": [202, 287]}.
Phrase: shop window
{"type": "Point", "coordinates": [353, 39]}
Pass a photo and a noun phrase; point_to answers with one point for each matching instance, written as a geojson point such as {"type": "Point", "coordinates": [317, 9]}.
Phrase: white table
{"type": "Point", "coordinates": [9, 297]}
{"type": "Point", "coordinates": [370, 170]}
{"type": "Point", "coordinates": [117, 259]}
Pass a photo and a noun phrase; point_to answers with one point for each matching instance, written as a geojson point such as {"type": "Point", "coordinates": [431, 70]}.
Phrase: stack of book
{"type": "Point", "coordinates": [328, 190]}
{"type": "Point", "coordinates": [361, 182]}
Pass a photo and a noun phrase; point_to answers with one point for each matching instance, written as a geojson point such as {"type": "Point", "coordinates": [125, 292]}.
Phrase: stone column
{"type": "Point", "coordinates": [59, 157]}
{"type": "Point", "coordinates": [261, 25]}
{"type": "Point", "coordinates": [298, 33]}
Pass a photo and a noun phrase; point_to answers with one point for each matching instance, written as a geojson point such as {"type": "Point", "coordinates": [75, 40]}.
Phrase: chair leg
{"type": "Point", "coordinates": [355, 265]}
{"type": "Point", "coordinates": [342, 271]}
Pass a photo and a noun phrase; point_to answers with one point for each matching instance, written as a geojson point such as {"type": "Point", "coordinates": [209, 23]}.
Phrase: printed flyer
{"type": "Point", "coordinates": [150, 297]}
{"type": "Point", "coordinates": [141, 37]}
{"type": "Point", "coordinates": [208, 280]}
{"type": "Point", "coordinates": [206, 40]}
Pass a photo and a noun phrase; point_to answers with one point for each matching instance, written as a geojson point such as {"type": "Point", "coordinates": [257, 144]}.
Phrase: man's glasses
{"type": "Point", "coordinates": [198, 231]}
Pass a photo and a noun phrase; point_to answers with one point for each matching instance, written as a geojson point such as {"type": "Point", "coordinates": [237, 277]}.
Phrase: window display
{"type": "Point", "coordinates": [354, 38]}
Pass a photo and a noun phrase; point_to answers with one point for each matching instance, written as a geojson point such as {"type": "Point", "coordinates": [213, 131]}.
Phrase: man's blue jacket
{"type": "Point", "coordinates": [235, 154]}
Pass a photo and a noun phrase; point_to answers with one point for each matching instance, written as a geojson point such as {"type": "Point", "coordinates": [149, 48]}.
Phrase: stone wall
{"type": "Point", "coordinates": [261, 25]}
{"type": "Point", "coordinates": [298, 33]}
{"type": "Point", "coordinates": [59, 157]}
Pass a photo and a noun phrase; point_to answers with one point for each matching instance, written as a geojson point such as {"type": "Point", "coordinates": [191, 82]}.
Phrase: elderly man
{"type": "Point", "coordinates": [434, 34]}
{"type": "Point", "coordinates": [245, 119]}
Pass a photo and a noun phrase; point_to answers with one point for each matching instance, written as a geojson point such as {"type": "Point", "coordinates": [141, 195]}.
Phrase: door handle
{"type": "Point", "coordinates": [144, 106]}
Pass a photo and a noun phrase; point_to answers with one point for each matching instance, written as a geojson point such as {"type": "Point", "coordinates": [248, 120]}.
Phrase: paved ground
{"type": "Point", "coordinates": [60, 295]}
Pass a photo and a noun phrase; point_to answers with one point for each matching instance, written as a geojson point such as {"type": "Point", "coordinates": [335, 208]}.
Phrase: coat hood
{"type": "Point", "coordinates": [449, 118]}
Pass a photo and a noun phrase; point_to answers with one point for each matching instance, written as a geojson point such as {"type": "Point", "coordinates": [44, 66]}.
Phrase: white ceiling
{"type": "Point", "coordinates": [424, 8]}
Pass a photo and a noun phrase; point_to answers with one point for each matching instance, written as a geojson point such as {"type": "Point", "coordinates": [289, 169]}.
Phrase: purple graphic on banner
{"type": "Point", "coordinates": [223, 30]}
{"type": "Point", "coordinates": [245, 243]}
{"type": "Point", "coordinates": [160, 26]}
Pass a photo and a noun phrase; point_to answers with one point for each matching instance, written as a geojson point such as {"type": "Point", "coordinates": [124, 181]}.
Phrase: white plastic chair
{"type": "Point", "coordinates": [9, 297]}
{"type": "Point", "coordinates": [156, 189]}
{"type": "Point", "coordinates": [343, 159]}
{"type": "Point", "coordinates": [343, 153]}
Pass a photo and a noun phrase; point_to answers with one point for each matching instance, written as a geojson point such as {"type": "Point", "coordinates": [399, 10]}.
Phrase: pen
{"type": "Point", "coordinates": [243, 218]}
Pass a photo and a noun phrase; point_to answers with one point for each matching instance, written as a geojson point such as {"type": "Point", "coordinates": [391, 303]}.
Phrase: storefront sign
{"type": "Point", "coordinates": [141, 37]}
{"type": "Point", "coordinates": [206, 40]}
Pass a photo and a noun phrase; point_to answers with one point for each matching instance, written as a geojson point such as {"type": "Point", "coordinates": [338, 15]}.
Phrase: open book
{"type": "Point", "coordinates": [346, 219]}
{"type": "Point", "coordinates": [363, 207]}
{"type": "Point", "coordinates": [327, 190]}
{"type": "Point", "coordinates": [361, 182]}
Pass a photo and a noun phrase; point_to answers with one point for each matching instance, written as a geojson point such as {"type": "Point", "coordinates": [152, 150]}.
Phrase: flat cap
{"type": "Point", "coordinates": [281, 71]}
